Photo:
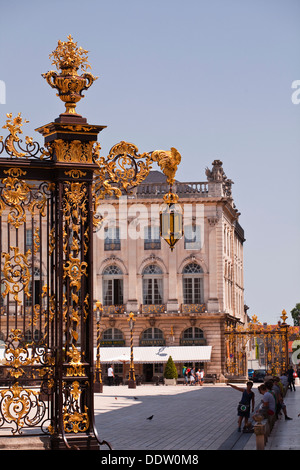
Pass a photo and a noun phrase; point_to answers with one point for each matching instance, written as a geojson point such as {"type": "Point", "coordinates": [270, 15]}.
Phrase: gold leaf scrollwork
{"type": "Point", "coordinates": [16, 273]}
{"type": "Point", "coordinates": [15, 194]}
{"type": "Point", "coordinates": [124, 168]}
{"type": "Point", "coordinates": [74, 151]}
{"type": "Point", "coordinates": [12, 143]}
{"type": "Point", "coordinates": [76, 421]}
{"type": "Point", "coordinates": [14, 126]}
{"type": "Point", "coordinates": [75, 201]}
{"type": "Point", "coordinates": [75, 269]}
{"type": "Point", "coordinates": [168, 161]}
{"type": "Point", "coordinates": [75, 173]}
{"type": "Point", "coordinates": [76, 368]}
{"type": "Point", "coordinates": [16, 403]}
{"type": "Point", "coordinates": [75, 390]}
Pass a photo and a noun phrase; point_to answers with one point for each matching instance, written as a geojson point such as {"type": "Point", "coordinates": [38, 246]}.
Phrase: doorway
{"type": "Point", "coordinates": [148, 372]}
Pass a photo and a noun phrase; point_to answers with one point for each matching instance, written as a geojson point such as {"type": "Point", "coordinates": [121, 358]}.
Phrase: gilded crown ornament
{"type": "Point", "coordinates": [68, 59]}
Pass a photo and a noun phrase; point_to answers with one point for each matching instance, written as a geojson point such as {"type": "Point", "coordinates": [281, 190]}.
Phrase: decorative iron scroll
{"type": "Point", "coordinates": [18, 196]}
{"type": "Point", "coordinates": [75, 419]}
{"type": "Point", "coordinates": [21, 406]}
{"type": "Point", "coordinates": [12, 144]}
{"type": "Point", "coordinates": [124, 169]}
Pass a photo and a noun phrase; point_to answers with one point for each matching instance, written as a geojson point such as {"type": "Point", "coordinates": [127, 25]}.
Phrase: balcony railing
{"type": "Point", "coordinates": [153, 308]}
{"type": "Point", "coordinates": [198, 189]}
{"type": "Point", "coordinates": [193, 308]}
{"type": "Point", "coordinates": [111, 309]}
{"type": "Point", "coordinates": [152, 245]}
{"type": "Point", "coordinates": [160, 308]}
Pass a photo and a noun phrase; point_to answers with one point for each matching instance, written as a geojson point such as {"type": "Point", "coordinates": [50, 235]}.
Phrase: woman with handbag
{"type": "Point", "coordinates": [248, 398]}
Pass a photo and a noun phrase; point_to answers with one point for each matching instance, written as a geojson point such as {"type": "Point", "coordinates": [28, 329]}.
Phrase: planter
{"type": "Point", "coordinates": [170, 381]}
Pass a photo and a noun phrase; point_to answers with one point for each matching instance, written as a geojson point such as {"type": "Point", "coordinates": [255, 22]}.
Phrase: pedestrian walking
{"type": "Point", "coordinates": [110, 375]}
{"type": "Point", "coordinates": [248, 399]}
{"type": "Point", "coordinates": [280, 405]}
{"type": "Point", "coordinates": [186, 375]}
{"type": "Point", "coordinates": [291, 379]}
{"type": "Point", "coordinates": [201, 376]}
{"type": "Point", "coordinates": [192, 376]}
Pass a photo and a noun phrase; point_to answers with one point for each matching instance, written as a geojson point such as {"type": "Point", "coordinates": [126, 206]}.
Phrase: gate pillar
{"type": "Point", "coordinates": [71, 141]}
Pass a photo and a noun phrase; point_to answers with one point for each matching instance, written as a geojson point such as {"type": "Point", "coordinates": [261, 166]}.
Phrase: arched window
{"type": "Point", "coordinates": [193, 336]}
{"type": "Point", "coordinates": [192, 284]}
{"type": "Point", "coordinates": [112, 337]}
{"type": "Point", "coordinates": [152, 285]}
{"type": "Point", "coordinates": [112, 286]}
{"type": "Point", "coordinates": [152, 337]}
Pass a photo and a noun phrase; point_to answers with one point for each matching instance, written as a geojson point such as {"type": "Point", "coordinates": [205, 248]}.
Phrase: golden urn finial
{"type": "Point", "coordinates": [283, 316]}
{"type": "Point", "coordinates": [68, 59]}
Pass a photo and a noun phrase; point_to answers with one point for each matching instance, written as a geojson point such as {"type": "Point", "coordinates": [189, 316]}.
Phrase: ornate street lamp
{"type": "Point", "coordinates": [284, 327]}
{"type": "Point", "coordinates": [98, 385]}
{"type": "Point", "coordinates": [171, 226]}
{"type": "Point", "coordinates": [131, 379]}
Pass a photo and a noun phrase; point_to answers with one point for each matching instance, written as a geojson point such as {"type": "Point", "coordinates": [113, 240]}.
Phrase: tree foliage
{"type": "Point", "coordinates": [170, 369]}
{"type": "Point", "coordinates": [296, 314]}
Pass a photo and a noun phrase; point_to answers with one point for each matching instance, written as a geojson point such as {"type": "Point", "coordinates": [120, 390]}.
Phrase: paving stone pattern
{"type": "Point", "coordinates": [184, 417]}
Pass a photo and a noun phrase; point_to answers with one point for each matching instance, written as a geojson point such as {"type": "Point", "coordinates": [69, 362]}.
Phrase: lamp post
{"type": "Point", "coordinates": [131, 380]}
{"type": "Point", "coordinates": [98, 385]}
{"type": "Point", "coordinates": [285, 340]}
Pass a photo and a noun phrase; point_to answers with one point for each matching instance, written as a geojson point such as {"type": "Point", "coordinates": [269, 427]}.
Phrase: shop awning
{"type": "Point", "coordinates": [151, 354]}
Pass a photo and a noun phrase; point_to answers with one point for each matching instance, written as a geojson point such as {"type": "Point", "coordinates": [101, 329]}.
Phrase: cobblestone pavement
{"type": "Point", "coordinates": [184, 417]}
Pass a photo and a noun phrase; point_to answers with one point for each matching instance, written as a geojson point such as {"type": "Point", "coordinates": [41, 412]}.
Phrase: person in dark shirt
{"type": "Point", "coordinates": [247, 399]}
{"type": "Point", "coordinates": [291, 379]}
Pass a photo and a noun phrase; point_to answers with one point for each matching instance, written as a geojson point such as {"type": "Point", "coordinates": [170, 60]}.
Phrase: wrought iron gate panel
{"type": "Point", "coordinates": [274, 337]}
{"type": "Point", "coordinates": [26, 301]}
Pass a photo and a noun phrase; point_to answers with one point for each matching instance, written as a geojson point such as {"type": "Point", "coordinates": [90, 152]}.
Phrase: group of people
{"type": "Point", "coordinates": [272, 401]}
{"type": "Point", "coordinates": [191, 377]}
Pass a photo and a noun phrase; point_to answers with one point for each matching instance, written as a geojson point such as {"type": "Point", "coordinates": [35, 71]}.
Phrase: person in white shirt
{"type": "Point", "coordinates": [110, 375]}
{"type": "Point", "coordinates": [268, 400]}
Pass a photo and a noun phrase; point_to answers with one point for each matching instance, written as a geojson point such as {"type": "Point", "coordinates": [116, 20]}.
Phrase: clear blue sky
{"type": "Point", "coordinates": [211, 78]}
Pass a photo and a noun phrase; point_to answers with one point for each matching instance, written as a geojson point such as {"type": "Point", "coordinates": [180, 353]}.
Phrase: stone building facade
{"type": "Point", "coordinates": [180, 298]}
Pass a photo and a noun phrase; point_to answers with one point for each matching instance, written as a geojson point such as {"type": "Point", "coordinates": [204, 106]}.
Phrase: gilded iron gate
{"type": "Point", "coordinates": [274, 338]}
{"type": "Point", "coordinates": [47, 217]}
{"type": "Point", "coordinates": [48, 210]}
{"type": "Point", "coordinates": [27, 279]}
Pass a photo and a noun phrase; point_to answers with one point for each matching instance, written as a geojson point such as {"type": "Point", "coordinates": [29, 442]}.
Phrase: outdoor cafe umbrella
{"type": "Point", "coordinates": [122, 358]}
